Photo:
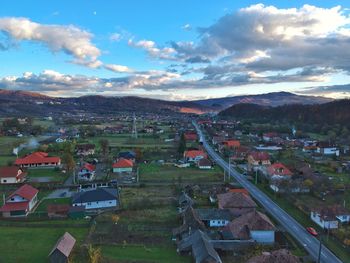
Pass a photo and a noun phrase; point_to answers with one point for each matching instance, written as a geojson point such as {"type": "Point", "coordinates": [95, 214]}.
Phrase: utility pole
{"type": "Point", "coordinates": [229, 169]}
{"type": "Point", "coordinates": [224, 175]}
{"type": "Point", "coordinates": [134, 128]}
{"type": "Point", "coordinates": [256, 176]}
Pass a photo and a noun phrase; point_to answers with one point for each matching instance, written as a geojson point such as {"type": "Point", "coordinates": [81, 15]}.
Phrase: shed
{"type": "Point", "coordinates": [62, 250]}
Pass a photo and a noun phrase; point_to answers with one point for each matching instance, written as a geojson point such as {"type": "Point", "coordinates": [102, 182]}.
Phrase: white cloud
{"type": "Point", "coordinates": [118, 68]}
{"type": "Point", "coordinates": [187, 27]}
{"type": "Point", "coordinates": [69, 39]}
{"type": "Point", "coordinates": [153, 50]}
{"type": "Point", "coordinates": [116, 37]}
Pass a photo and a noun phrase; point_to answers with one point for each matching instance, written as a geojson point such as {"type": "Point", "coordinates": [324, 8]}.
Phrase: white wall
{"type": "Point", "coordinates": [267, 237]}
{"type": "Point", "coordinates": [122, 170]}
{"type": "Point", "coordinates": [324, 224]}
{"type": "Point", "coordinates": [98, 205]}
{"type": "Point", "coordinates": [218, 223]}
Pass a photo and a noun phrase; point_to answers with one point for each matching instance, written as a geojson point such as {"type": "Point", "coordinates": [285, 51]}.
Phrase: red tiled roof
{"type": "Point", "coordinates": [89, 167]}
{"type": "Point", "coordinates": [122, 163]}
{"type": "Point", "coordinates": [279, 169]}
{"type": "Point", "coordinates": [195, 153]}
{"type": "Point", "coordinates": [9, 171]}
{"type": "Point", "coordinates": [26, 191]}
{"type": "Point", "coordinates": [37, 158]}
{"type": "Point", "coordinates": [15, 206]}
{"type": "Point", "coordinates": [232, 143]}
{"type": "Point", "coordinates": [260, 156]}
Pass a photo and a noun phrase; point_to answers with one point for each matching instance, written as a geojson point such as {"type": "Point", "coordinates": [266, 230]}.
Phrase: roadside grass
{"type": "Point", "coordinates": [142, 253]}
{"type": "Point", "coordinates": [168, 173]}
{"type": "Point", "coordinates": [33, 244]}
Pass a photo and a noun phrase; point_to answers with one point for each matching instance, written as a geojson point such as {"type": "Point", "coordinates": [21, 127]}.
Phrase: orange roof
{"type": "Point", "coordinates": [232, 143]}
{"type": "Point", "coordinates": [123, 163]}
{"type": "Point", "coordinates": [37, 158]}
{"type": "Point", "coordinates": [280, 169]}
{"type": "Point", "coordinates": [195, 153]}
{"type": "Point", "coordinates": [89, 167]}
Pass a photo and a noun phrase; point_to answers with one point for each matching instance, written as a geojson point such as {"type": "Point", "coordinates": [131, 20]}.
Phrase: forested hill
{"type": "Point", "coordinates": [336, 112]}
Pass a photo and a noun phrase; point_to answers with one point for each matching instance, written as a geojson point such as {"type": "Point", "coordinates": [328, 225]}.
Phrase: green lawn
{"type": "Point", "coordinates": [140, 253]}
{"type": "Point", "coordinates": [32, 245]}
{"type": "Point", "coordinates": [45, 202]}
{"type": "Point", "coordinates": [168, 173]}
{"type": "Point", "coordinates": [6, 159]}
{"type": "Point", "coordinates": [55, 175]}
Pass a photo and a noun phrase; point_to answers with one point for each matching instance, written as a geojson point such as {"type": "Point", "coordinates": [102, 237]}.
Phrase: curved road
{"type": "Point", "coordinates": [310, 243]}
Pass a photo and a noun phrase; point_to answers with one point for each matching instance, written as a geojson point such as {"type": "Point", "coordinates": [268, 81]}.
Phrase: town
{"type": "Point", "coordinates": [149, 188]}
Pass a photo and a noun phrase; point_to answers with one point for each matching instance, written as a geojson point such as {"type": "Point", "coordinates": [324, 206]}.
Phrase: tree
{"type": "Point", "coordinates": [95, 255]}
{"type": "Point", "coordinates": [68, 162]}
{"type": "Point", "coordinates": [182, 145]}
{"type": "Point", "coordinates": [104, 144]}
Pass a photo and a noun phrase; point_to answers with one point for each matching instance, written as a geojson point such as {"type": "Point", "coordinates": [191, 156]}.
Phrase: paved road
{"type": "Point", "coordinates": [310, 243]}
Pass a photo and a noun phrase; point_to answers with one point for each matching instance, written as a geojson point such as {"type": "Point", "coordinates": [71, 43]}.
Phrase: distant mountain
{"type": "Point", "coordinates": [336, 112]}
{"type": "Point", "coordinates": [269, 99]}
{"type": "Point", "coordinates": [22, 103]}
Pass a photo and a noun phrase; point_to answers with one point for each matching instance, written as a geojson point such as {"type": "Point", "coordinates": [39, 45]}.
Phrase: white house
{"type": "Point", "coordinates": [87, 172]}
{"type": "Point", "coordinates": [327, 149]}
{"type": "Point", "coordinates": [325, 217]}
{"type": "Point", "coordinates": [21, 202]}
{"type": "Point", "coordinates": [100, 198]}
{"type": "Point", "coordinates": [194, 155]}
{"type": "Point", "coordinates": [11, 175]}
{"type": "Point", "coordinates": [123, 166]}
{"type": "Point", "coordinates": [213, 217]}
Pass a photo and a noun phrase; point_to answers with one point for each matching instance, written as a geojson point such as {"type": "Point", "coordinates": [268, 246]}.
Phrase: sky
{"type": "Point", "coordinates": [175, 50]}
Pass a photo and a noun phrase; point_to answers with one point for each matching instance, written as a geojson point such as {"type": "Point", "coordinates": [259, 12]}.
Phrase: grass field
{"type": "Point", "coordinates": [42, 206]}
{"type": "Point", "coordinates": [141, 253]}
{"type": "Point", "coordinates": [32, 245]}
{"type": "Point", "coordinates": [167, 173]}
{"type": "Point", "coordinates": [53, 174]}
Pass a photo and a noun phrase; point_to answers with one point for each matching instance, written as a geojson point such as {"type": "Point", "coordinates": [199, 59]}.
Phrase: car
{"type": "Point", "coordinates": [312, 231]}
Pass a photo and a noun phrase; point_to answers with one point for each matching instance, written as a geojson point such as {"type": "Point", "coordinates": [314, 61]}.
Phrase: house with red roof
{"type": "Point", "coordinates": [231, 144]}
{"type": "Point", "coordinates": [20, 202]}
{"type": "Point", "coordinates": [257, 159]}
{"type": "Point", "coordinates": [123, 166]}
{"type": "Point", "coordinates": [190, 136]}
{"type": "Point", "coordinates": [87, 172]}
{"type": "Point", "coordinates": [38, 160]}
{"type": "Point", "coordinates": [12, 175]}
{"type": "Point", "coordinates": [194, 155]}
{"type": "Point", "coordinates": [278, 171]}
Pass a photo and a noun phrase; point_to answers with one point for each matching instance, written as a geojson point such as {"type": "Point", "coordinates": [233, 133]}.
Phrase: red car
{"type": "Point", "coordinates": [312, 231]}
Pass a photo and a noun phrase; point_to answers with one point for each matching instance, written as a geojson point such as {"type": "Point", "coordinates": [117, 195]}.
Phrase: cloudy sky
{"type": "Point", "coordinates": [175, 49]}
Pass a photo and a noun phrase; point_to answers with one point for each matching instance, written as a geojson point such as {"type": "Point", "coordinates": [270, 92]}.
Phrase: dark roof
{"type": "Point", "coordinates": [277, 256]}
{"type": "Point", "coordinates": [202, 249]}
{"type": "Point", "coordinates": [204, 162]}
{"type": "Point", "coordinates": [99, 194]}
{"type": "Point", "coordinates": [331, 212]}
{"type": "Point", "coordinates": [214, 214]}
{"type": "Point", "coordinates": [252, 221]}
{"type": "Point", "coordinates": [85, 147]}
{"type": "Point", "coordinates": [65, 244]}
{"type": "Point", "coordinates": [185, 200]}
{"type": "Point", "coordinates": [127, 155]}
{"type": "Point", "coordinates": [190, 221]}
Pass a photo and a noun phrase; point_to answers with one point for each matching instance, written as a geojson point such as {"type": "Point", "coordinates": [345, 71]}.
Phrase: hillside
{"type": "Point", "coordinates": [336, 112]}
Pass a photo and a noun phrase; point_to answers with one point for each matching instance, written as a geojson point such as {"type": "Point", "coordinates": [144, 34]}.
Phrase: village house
{"type": "Point", "coordinates": [12, 175]}
{"type": "Point", "coordinates": [231, 144]}
{"type": "Point", "coordinates": [190, 223]}
{"type": "Point", "coordinates": [100, 198]}
{"type": "Point", "coordinates": [199, 246]}
{"type": "Point", "coordinates": [123, 166]}
{"type": "Point", "coordinates": [240, 153]}
{"type": "Point", "coordinates": [329, 217]}
{"type": "Point", "coordinates": [253, 225]}
{"type": "Point", "coordinates": [278, 171]}
{"type": "Point", "coordinates": [194, 155]}
{"type": "Point", "coordinates": [85, 149]}
{"type": "Point", "coordinates": [190, 136]}
{"type": "Point", "coordinates": [61, 251]}
{"type": "Point", "coordinates": [268, 137]}
{"type": "Point", "coordinates": [237, 203]}
{"type": "Point", "coordinates": [130, 155]}
{"type": "Point", "coordinates": [213, 217]}
{"type": "Point", "coordinates": [38, 160]}
{"type": "Point", "coordinates": [87, 172]}
{"type": "Point", "coordinates": [258, 159]}
{"type": "Point", "coordinates": [57, 210]}
{"type": "Point", "coordinates": [277, 256]}
{"type": "Point", "coordinates": [20, 202]}
{"type": "Point", "coordinates": [326, 148]}
{"type": "Point", "coordinates": [204, 164]}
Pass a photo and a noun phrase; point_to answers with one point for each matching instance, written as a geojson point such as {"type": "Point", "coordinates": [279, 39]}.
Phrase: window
{"type": "Point", "coordinates": [89, 203]}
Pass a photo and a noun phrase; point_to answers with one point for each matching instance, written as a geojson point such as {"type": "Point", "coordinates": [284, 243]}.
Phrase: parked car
{"type": "Point", "coordinates": [312, 231]}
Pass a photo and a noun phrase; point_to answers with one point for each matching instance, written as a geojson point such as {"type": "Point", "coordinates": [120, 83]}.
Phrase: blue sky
{"type": "Point", "coordinates": [175, 49]}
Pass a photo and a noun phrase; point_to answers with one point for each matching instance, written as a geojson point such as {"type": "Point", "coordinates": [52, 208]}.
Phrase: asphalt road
{"type": "Point", "coordinates": [310, 243]}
